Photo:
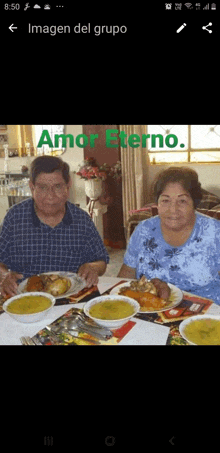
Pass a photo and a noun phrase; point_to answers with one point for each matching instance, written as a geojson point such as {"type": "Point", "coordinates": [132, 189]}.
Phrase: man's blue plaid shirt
{"type": "Point", "coordinates": [30, 247]}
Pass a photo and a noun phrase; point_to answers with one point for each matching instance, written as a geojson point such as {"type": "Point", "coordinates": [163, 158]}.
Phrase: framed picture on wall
{"type": "Point", "coordinates": [3, 127]}
{"type": "Point", "coordinates": [3, 139]}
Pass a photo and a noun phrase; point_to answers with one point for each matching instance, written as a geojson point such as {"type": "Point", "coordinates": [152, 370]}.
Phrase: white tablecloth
{"type": "Point", "coordinates": [143, 333]}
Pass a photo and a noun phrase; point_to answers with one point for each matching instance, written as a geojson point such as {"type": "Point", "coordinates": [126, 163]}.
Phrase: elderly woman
{"type": "Point", "coordinates": [180, 245]}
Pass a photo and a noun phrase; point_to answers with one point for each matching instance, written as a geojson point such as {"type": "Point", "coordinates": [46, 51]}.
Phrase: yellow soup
{"type": "Point", "coordinates": [203, 331]}
{"type": "Point", "coordinates": [109, 309]}
{"type": "Point", "coordinates": [29, 304]}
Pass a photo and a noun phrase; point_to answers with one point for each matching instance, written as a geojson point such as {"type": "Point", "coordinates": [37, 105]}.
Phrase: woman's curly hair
{"type": "Point", "coordinates": [185, 176]}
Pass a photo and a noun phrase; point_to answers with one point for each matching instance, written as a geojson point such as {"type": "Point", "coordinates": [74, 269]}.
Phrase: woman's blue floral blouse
{"type": "Point", "coordinates": [192, 267]}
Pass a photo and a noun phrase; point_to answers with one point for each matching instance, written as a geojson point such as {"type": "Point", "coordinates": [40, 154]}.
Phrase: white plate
{"type": "Point", "coordinates": [174, 299]}
{"type": "Point", "coordinates": [77, 283]}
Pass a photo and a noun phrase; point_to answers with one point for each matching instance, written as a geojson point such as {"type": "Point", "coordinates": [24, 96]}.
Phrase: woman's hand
{"type": "Point", "coordinates": [127, 272]}
{"type": "Point", "coordinates": [163, 290]}
{"type": "Point", "coordinates": [9, 284]}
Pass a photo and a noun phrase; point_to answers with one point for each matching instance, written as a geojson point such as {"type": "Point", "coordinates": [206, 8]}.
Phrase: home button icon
{"type": "Point", "coordinates": [109, 441]}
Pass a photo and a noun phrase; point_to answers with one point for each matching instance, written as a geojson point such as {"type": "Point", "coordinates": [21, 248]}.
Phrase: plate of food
{"type": "Point", "coordinates": [145, 293]}
{"type": "Point", "coordinates": [58, 284]}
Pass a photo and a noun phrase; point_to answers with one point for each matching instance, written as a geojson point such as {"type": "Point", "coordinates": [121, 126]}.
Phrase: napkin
{"type": "Point", "coordinates": [146, 333]}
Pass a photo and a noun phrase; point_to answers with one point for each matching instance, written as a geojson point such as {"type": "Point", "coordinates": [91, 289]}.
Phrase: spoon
{"type": "Point", "coordinates": [78, 313]}
{"type": "Point", "coordinates": [79, 316]}
{"type": "Point", "coordinates": [64, 327]}
{"type": "Point", "coordinates": [77, 325]}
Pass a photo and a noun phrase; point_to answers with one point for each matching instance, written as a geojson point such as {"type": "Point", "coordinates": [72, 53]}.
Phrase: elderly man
{"type": "Point", "coordinates": [48, 233]}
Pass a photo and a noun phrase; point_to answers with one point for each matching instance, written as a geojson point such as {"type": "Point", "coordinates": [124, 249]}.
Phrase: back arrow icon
{"type": "Point", "coordinates": [171, 440]}
{"type": "Point", "coordinates": [12, 27]}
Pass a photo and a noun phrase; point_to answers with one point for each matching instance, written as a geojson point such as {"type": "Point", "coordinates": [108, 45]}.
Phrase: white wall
{"type": "Point", "coordinates": [73, 156]}
{"type": "Point", "coordinates": [209, 175]}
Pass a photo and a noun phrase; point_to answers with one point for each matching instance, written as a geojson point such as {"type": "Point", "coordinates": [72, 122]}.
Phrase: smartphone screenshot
{"type": "Point", "coordinates": [91, 84]}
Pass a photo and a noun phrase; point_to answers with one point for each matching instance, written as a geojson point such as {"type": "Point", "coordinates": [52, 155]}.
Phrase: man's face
{"type": "Point", "coordinates": [50, 192]}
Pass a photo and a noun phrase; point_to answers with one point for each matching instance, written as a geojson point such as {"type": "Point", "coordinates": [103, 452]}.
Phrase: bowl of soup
{"type": "Point", "coordinates": [29, 307]}
{"type": "Point", "coordinates": [201, 330]}
{"type": "Point", "coordinates": [111, 311]}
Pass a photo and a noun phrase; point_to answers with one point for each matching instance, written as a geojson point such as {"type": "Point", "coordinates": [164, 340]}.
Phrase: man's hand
{"type": "Point", "coordinates": [90, 274]}
{"type": "Point", "coordinates": [8, 285]}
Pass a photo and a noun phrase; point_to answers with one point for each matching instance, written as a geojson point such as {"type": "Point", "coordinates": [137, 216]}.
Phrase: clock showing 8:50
{"type": "Point", "coordinates": [11, 6]}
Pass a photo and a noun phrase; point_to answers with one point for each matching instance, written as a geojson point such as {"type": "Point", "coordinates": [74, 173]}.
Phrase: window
{"type": "Point", "coordinates": [45, 149]}
{"type": "Point", "coordinates": [196, 143]}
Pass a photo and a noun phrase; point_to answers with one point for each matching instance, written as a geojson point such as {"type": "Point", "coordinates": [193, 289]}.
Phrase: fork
{"type": "Point", "coordinates": [30, 341]}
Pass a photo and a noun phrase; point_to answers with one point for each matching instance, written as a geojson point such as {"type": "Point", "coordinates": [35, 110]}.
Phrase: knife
{"type": "Point", "coordinates": [117, 284]}
{"type": "Point", "coordinates": [84, 339]}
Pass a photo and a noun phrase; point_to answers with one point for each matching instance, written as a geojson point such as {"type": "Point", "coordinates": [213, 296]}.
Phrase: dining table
{"type": "Point", "coordinates": [143, 329]}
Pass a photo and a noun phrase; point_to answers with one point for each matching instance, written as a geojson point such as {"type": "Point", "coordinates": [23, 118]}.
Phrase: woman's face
{"type": "Point", "coordinates": [175, 207]}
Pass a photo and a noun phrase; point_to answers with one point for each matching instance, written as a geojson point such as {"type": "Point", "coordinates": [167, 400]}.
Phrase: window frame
{"type": "Point", "coordinates": [189, 150]}
{"type": "Point", "coordinates": [53, 151]}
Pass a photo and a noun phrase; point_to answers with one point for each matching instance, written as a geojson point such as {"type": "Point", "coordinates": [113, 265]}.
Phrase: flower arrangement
{"type": "Point", "coordinates": [115, 171]}
{"type": "Point", "coordinates": [91, 170]}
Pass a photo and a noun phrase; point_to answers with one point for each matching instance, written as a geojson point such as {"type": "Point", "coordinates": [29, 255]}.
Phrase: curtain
{"type": "Point", "coordinates": [26, 134]}
{"type": "Point", "coordinates": [135, 166]}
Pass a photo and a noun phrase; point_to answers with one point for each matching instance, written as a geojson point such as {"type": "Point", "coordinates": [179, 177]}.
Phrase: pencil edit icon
{"type": "Point", "coordinates": [181, 28]}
